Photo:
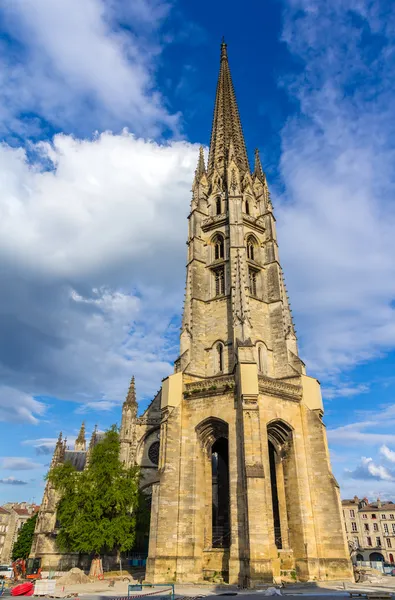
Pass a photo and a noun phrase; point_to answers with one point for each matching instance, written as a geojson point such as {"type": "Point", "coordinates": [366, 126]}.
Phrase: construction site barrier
{"type": "Point", "coordinates": [161, 594]}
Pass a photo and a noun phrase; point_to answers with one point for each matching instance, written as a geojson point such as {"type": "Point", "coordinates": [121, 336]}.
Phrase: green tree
{"type": "Point", "coordinates": [98, 507]}
{"type": "Point", "coordinates": [24, 540]}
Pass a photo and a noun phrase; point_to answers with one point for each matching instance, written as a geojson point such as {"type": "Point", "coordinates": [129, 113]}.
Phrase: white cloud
{"type": "Point", "coordinates": [93, 258]}
{"type": "Point", "coordinates": [18, 463]}
{"type": "Point", "coordinates": [369, 470]}
{"type": "Point", "coordinates": [387, 453]}
{"type": "Point", "coordinates": [337, 216]}
{"type": "Point", "coordinates": [344, 391]}
{"type": "Point", "coordinates": [102, 406]}
{"type": "Point", "coordinates": [83, 65]}
{"type": "Point", "coordinates": [17, 406]}
{"type": "Point", "coordinates": [12, 481]}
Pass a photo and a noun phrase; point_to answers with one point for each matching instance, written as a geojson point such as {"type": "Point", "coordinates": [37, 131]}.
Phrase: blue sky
{"type": "Point", "coordinates": [102, 107]}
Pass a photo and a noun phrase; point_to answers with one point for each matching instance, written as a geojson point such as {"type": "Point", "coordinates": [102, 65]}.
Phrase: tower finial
{"type": "Point", "coordinates": [224, 51]}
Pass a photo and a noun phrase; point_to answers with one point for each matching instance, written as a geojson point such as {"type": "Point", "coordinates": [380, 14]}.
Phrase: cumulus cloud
{"type": "Point", "coordinates": [18, 463]}
{"type": "Point", "coordinates": [92, 255]}
{"type": "Point", "coordinates": [337, 216]}
{"type": "Point", "coordinates": [81, 65]}
{"type": "Point", "coordinates": [12, 481]}
{"type": "Point", "coordinates": [387, 453]}
{"type": "Point", "coordinates": [369, 470]}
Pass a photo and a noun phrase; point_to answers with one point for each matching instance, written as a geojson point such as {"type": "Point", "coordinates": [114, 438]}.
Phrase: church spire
{"type": "Point", "coordinates": [226, 128]}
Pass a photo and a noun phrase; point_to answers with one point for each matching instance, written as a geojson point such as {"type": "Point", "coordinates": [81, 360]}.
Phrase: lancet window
{"type": "Point", "coordinates": [219, 247]}
{"type": "Point", "coordinates": [220, 358]}
{"type": "Point", "coordinates": [251, 248]}
{"type": "Point", "coordinates": [247, 207]}
{"type": "Point", "coordinates": [253, 276]}
{"type": "Point", "coordinates": [218, 206]}
{"type": "Point", "coordinates": [219, 279]}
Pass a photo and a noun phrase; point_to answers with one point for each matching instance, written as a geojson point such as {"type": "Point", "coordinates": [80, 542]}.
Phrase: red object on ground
{"type": "Point", "coordinates": [24, 589]}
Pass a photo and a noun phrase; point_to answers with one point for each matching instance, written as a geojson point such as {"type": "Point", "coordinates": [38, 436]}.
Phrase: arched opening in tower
{"type": "Point", "coordinates": [220, 494]}
{"type": "Point", "coordinates": [275, 502]}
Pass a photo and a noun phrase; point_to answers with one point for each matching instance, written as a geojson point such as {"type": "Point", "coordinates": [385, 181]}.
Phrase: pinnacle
{"type": "Point", "coordinates": [258, 171]}
{"type": "Point", "coordinates": [131, 397]}
{"type": "Point", "coordinates": [201, 167]}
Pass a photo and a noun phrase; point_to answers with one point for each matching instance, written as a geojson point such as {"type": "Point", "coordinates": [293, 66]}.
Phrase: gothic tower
{"type": "Point", "coordinates": [244, 484]}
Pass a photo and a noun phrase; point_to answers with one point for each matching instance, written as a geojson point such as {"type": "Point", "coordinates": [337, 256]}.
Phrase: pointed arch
{"type": "Point", "coordinates": [252, 247]}
{"type": "Point", "coordinates": [218, 205]}
{"type": "Point", "coordinates": [218, 242]}
{"type": "Point", "coordinates": [220, 357]}
{"type": "Point", "coordinates": [262, 358]}
{"type": "Point", "coordinates": [247, 207]}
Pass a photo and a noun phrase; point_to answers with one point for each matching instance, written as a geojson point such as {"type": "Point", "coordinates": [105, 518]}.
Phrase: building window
{"type": "Point", "coordinates": [366, 525]}
{"type": "Point", "coordinates": [247, 207]}
{"type": "Point", "coordinates": [374, 516]}
{"type": "Point", "coordinates": [393, 528]}
{"type": "Point", "coordinates": [356, 542]}
{"type": "Point", "coordinates": [352, 514]}
{"type": "Point", "coordinates": [378, 541]}
{"type": "Point", "coordinates": [368, 541]}
{"type": "Point", "coordinates": [219, 276]}
{"type": "Point", "coordinates": [364, 516]}
{"type": "Point", "coordinates": [252, 278]}
{"type": "Point", "coordinates": [153, 453]}
{"type": "Point", "coordinates": [391, 516]}
{"type": "Point", "coordinates": [218, 207]}
{"type": "Point", "coordinates": [375, 527]}
{"type": "Point", "coordinates": [383, 516]}
{"type": "Point", "coordinates": [386, 528]}
{"type": "Point", "coordinates": [250, 248]}
{"type": "Point", "coordinates": [220, 357]}
{"type": "Point", "coordinates": [354, 526]}
{"type": "Point", "coordinates": [219, 247]}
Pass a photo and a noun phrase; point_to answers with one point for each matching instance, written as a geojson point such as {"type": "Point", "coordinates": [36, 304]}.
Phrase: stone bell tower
{"type": "Point", "coordinates": [245, 485]}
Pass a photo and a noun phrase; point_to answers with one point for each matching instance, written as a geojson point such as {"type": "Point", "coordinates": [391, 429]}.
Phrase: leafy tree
{"type": "Point", "coordinates": [98, 507]}
{"type": "Point", "coordinates": [24, 540]}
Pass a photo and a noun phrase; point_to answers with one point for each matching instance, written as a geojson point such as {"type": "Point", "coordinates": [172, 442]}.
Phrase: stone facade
{"type": "Point", "coordinates": [370, 528]}
{"type": "Point", "coordinates": [233, 449]}
{"type": "Point", "coordinates": [240, 395]}
{"type": "Point", "coordinates": [12, 516]}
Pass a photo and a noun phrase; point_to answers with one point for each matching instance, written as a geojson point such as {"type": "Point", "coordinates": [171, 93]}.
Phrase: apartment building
{"type": "Point", "coordinates": [370, 527]}
{"type": "Point", "coordinates": [12, 517]}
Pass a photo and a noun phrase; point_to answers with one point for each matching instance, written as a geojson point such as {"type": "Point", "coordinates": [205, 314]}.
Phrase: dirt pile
{"type": "Point", "coordinates": [73, 577]}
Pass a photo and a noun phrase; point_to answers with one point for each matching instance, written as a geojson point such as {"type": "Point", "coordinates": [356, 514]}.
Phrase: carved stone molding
{"type": "Point", "coordinates": [274, 387]}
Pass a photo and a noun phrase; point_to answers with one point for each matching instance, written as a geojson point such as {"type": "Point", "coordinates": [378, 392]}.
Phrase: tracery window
{"type": "Point", "coordinates": [219, 247]}
{"type": "Point", "coordinates": [219, 277]}
{"type": "Point", "coordinates": [153, 453]}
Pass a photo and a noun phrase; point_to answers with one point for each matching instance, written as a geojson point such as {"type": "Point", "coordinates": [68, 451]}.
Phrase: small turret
{"type": "Point", "coordinates": [59, 451]}
{"type": "Point", "coordinates": [80, 442]}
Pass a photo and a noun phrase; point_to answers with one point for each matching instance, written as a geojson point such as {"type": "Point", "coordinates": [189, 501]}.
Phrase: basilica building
{"type": "Point", "coordinates": [233, 448]}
